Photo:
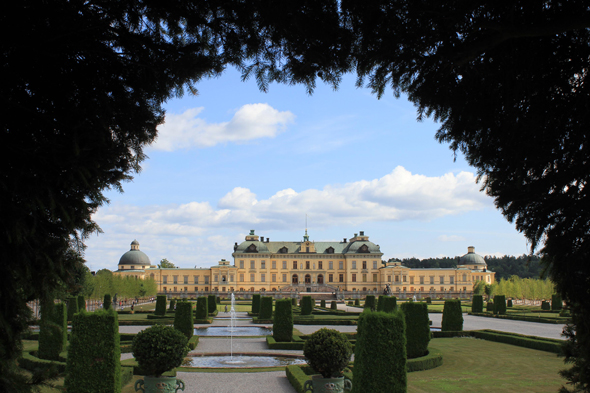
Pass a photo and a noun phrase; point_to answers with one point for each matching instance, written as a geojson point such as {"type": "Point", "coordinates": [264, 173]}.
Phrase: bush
{"type": "Point", "coordinates": [202, 308]}
{"type": "Point", "coordinates": [428, 300]}
{"type": "Point", "coordinates": [489, 306]}
{"type": "Point", "coordinates": [53, 334]}
{"type": "Point", "coordinates": [477, 303]}
{"type": "Point", "coordinates": [333, 305]}
{"type": "Point", "coordinates": [370, 302]}
{"type": "Point", "coordinates": [172, 304]}
{"type": "Point", "coordinates": [265, 308]}
{"type": "Point", "coordinates": [509, 303]}
{"type": "Point", "coordinates": [306, 305]}
{"type": "Point", "coordinates": [94, 355]}
{"type": "Point", "coordinates": [160, 305]}
{"type": "Point", "coordinates": [389, 303]}
{"type": "Point", "coordinates": [294, 302]}
{"type": "Point", "coordinates": [106, 304]}
{"type": "Point", "coordinates": [183, 319]}
{"type": "Point", "coordinates": [545, 305]}
{"type": "Point", "coordinates": [81, 303]}
{"type": "Point", "coordinates": [218, 300]}
{"type": "Point", "coordinates": [380, 302]}
{"type": "Point", "coordinates": [322, 303]}
{"type": "Point", "coordinates": [500, 304]}
{"type": "Point", "coordinates": [256, 304]}
{"type": "Point", "coordinates": [328, 352]}
{"type": "Point", "coordinates": [212, 303]}
{"type": "Point", "coordinates": [72, 307]}
{"type": "Point", "coordinates": [357, 302]}
{"type": "Point", "coordinates": [452, 318]}
{"type": "Point", "coordinates": [417, 328]}
{"type": "Point", "coordinates": [556, 302]}
{"type": "Point", "coordinates": [159, 349]}
{"type": "Point", "coordinates": [380, 353]}
{"type": "Point", "coordinates": [282, 329]}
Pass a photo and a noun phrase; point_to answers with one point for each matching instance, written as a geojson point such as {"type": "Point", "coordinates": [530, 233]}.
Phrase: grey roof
{"type": "Point", "coordinates": [295, 247]}
{"type": "Point", "coordinates": [471, 258]}
{"type": "Point", "coordinates": [135, 257]}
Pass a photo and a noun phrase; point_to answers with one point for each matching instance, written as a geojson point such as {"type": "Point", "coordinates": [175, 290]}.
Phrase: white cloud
{"type": "Point", "coordinates": [252, 121]}
{"type": "Point", "coordinates": [451, 238]}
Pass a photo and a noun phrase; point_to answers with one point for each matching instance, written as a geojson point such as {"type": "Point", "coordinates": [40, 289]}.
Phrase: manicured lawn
{"type": "Point", "coordinates": [471, 365]}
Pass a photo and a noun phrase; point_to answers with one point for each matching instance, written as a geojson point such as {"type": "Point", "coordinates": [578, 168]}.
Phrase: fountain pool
{"type": "Point", "coordinates": [227, 331]}
{"type": "Point", "coordinates": [241, 361]}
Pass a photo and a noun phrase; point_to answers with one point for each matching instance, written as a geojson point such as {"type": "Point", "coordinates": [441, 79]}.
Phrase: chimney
{"type": "Point", "coordinates": [262, 239]}
{"type": "Point", "coordinates": [471, 250]}
{"type": "Point", "coordinates": [267, 239]}
{"type": "Point", "coordinates": [344, 240]}
{"type": "Point", "coordinates": [362, 233]}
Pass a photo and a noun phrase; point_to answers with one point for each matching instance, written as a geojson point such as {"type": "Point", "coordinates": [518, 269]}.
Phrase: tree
{"type": "Point", "coordinates": [164, 263]}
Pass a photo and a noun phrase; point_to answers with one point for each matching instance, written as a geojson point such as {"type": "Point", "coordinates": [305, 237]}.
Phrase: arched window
{"type": "Point", "coordinates": [308, 279]}
{"type": "Point", "coordinates": [295, 279]}
{"type": "Point", "coordinates": [320, 278]}
{"type": "Point", "coordinates": [274, 289]}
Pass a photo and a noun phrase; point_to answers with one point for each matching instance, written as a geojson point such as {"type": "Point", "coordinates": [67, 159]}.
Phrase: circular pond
{"type": "Point", "coordinates": [241, 361]}
{"type": "Point", "coordinates": [226, 331]}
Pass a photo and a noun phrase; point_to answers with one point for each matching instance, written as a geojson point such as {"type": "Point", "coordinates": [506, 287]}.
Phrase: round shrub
{"type": "Point", "coordinates": [328, 352]}
{"type": "Point", "coordinates": [159, 349]}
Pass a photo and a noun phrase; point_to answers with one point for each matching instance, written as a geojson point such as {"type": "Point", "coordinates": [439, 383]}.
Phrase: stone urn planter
{"type": "Point", "coordinates": [159, 349]}
{"type": "Point", "coordinates": [328, 352]}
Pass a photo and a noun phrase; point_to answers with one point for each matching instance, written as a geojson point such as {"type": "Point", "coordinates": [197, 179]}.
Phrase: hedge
{"type": "Point", "coordinates": [333, 305]}
{"type": "Point", "coordinates": [380, 303]}
{"type": "Point", "coordinates": [306, 305]}
{"type": "Point", "coordinates": [452, 318]}
{"type": "Point", "coordinates": [282, 329]}
{"type": "Point", "coordinates": [500, 304]}
{"type": "Point", "coordinates": [265, 308]}
{"type": "Point", "coordinates": [489, 306]}
{"type": "Point", "coordinates": [417, 328]}
{"type": "Point", "coordinates": [106, 304]}
{"type": "Point", "coordinates": [94, 355]}
{"type": "Point", "coordinates": [296, 343]}
{"type": "Point", "coordinates": [539, 343]}
{"type": "Point", "coordinates": [172, 305]}
{"type": "Point", "coordinates": [357, 302]}
{"type": "Point", "coordinates": [256, 304]}
{"type": "Point", "coordinates": [477, 303]}
{"type": "Point", "coordinates": [81, 302]}
{"type": "Point", "coordinates": [202, 308]}
{"type": "Point", "coordinates": [294, 302]}
{"type": "Point", "coordinates": [53, 333]}
{"type": "Point", "coordinates": [72, 307]}
{"type": "Point", "coordinates": [389, 303]}
{"type": "Point", "coordinates": [380, 353]}
{"type": "Point", "coordinates": [212, 303]}
{"type": "Point", "coordinates": [556, 302]}
{"type": "Point", "coordinates": [428, 300]}
{"type": "Point", "coordinates": [322, 303]}
{"type": "Point", "coordinates": [509, 303]}
{"type": "Point", "coordinates": [183, 319]}
{"type": "Point", "coordinates": [545, 305]}
{"type": "Point", "coordinates": [160, 305]}
{"type": "Point", "coordinates": [370, 302]}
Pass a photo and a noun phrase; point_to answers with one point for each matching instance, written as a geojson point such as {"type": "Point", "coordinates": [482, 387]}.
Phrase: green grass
{"type": "Point", "coordinates": [471, 365]}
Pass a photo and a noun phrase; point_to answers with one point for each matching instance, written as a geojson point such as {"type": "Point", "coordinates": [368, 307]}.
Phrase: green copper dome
{"type": "Point", "coordinates": [471, 258]}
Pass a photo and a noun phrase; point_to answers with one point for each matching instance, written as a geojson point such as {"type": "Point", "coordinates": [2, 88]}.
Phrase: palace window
{"type": "Point", "coordinates": [175, 289]}
{"type": "Point", "coordinates": [164, 279]}
{"type": "Point", "coordinates": [330, 277]}
{"type": "Point", "coordinates": [274, 278]}
{"type": "Point", "coordinates": [365, 265]}
{"type": "Point", "coordinates": [432, 279]}
{"type": "Point", "coordinates": [307, 265]}
{"type": "Point", "coordinates": [421, 279]}
{"type": "Point", "coordinates": [252, 264]}
{"type": "Point", "coordinates": [252, 277]}
{"type": "Point", "coordinates": [354, 264]}
{"type": "Point", "coordinates": [364, 248]}
{"type": "Point", "coordinates": [295, 279]}
{"type": "Point", "coordinates": [284, 278]}
{"type": "Point", "coordinates": [294, 264]}
{"type": "Point", "coordinates": [196, 289]}
{"type": "Point", "coordinates": [274, 264]}
{"type": "Point", "coordinates": [263, 264]}
{"type": "Point", "coordinates": [364, 277]}
{"type": "Point", "coordinates": [284, 264]}
{"type": "Point", "coordinates": [353, 277]}
{"type": "Point", "coordinates": [331, 265]}
{"type": "Point", "coordinates": [330, 250]}
{"type": "Point", "coordinates": [262, 277]}
{"type": "Point", "coordinates": [442, 279]}
{"type": "Point", "coordinates": [231, 278]}
{"type": "Point", "coordinates": [283, 250]}
{"type": "Point", "coordinates": [320, 265]}
{"type": "Point", "coordinates": [374, 264]}
{"type": "Point", "coordinates": [175, 280]}
{"type": "Point", "coordinates": [251, 248]}
{"type": "Point", "coordinates": [464, 277]}
{"type": "Point", "coordinates": [341, 278]}
{"type": "Point", "coordinates": [196, 279]}
{"type": "Point", "coordinates": [341, 265]}
{"type": "Point", "coordinates": [374, 277]}
{"type": "Point", "coordinates": [411, 280]}
{"type": "Point", "coordinates": [389, 278]}
{"type": "Point", "coordinates": [404, 278]}
{"type": "Point", "coordinates": [215, 278]}
{"type": "Point", "coordinates": [241, 277]}
{"type": "Point", "coordinates": [442, 289]}
{"type": "Point", "coordinates": [206, 279]}
{"type": "Point", "coordinates": [320, 278]}
{"type": "Point", "coordinates": [451, 280]}
{"type": "Point", "coordinates": [396, 279]}
{"type": "Point", "coordinates": [185, 278]}
{"type": "Point", "coordinates": [223, 279]}
{"type": "Point", "coordinates": [241, 264]}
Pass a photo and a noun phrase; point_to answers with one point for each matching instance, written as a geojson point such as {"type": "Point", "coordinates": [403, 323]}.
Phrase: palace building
{"type": "Point", "coordinates": [288, 267]}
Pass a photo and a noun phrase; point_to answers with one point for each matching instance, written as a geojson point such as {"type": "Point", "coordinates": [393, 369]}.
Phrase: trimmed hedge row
{"type": "Point", "coordinates": [333, 305]}
{"type": "Point", "coordinates": [72, 307]}
{"type": "Point", "coordinates": [81, 302]}
{"type": "Point", "coordinates": [202, 311]}
{"type": "Point", "coordinates": [94, 355]}
{"type": "Point", "coordinates": [477, 303]}
{"type": "Point", "coordinates": [489, 306]}
{"type": "Point", "coordinates": [428, 362]}
{"type": "Point", "coordinates": [160, 305]}
{"type": "Point", "coordinates": [256, 304]}
{"type": "Point", "coordinates": [556, 302]}
{"type": "Point", "coordinates": [557, 321]}
{"type": "Point", "coordinates": [500, 304]}
{"type": "Point", "coordinates": [296, 343]}
{"type": "Point", "coordinates": [172, 305]}
{"type": "Point", "coordinates": [183, 319]}
{"type": "Point", "coordinates": [307, 305]}
{"type": "Point", "coordinates": [380, 353]}
{"type": "Point", "coordinates": [452, 318]}
{"type": "Point", "coordinates": [106, 304]}
{"type": "Point", "coordinates": [53, 330]}
{"type": "Point", "coordinates": [282, 329]}
{"type": "Point", "coordinates": [370, 302]}
{"type": "Point", "coordinates": [417, 328]}
{"type": "Point", "coordinates": [265, 308]}
{"type": "Point", "coordinates": [212, 304]}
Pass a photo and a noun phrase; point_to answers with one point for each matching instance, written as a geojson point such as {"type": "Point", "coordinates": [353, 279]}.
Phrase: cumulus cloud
{"type": "Point", "coordinates": [397, 196]}
{"type": "Point", "coordinates": [252, 121]}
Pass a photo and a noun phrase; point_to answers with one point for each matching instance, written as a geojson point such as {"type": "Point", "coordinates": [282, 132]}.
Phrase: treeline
{"type": "Point", "coordinates": [524, 266]}
{"type": "Point", "coordinates": [517, 288]}
{"type": "Point", "coordinates": [105, 282]}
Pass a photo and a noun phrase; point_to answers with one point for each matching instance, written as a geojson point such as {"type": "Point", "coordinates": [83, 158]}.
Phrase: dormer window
{"type": "Point", "coordinates": [251, 248]}
{"type": "Point", "coordinates": [364, 248]}
{"type": "Point", "coordinates": [283, 250]}
{"type": "Point", "coordinates": [330, 250]}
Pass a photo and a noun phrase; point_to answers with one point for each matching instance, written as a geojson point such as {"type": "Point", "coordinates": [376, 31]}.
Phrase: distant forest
{"type": "Point", "coordinates": [524, 266]}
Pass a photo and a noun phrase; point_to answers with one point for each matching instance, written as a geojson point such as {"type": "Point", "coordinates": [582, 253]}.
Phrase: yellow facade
{"type": "Point", "coordinates": [353, 265]}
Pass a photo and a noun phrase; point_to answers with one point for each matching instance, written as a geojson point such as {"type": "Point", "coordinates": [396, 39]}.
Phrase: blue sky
{"type": "Point", "coordinates": [233, 158]}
